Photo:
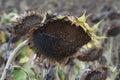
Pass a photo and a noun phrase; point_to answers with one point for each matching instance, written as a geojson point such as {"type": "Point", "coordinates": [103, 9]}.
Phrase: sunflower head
{"type": "Point", "coordinates": [60, 37]}
{"type": "Point", "coordinates": [55, 37]}
{"type": "Point", "coordinates": [24, 23]}
{"type": "Point", "coordinates": [99, 73]}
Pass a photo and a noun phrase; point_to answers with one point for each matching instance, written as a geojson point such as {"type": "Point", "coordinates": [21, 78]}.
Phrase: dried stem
{"type": "Point", "coordinates": [12, 57]}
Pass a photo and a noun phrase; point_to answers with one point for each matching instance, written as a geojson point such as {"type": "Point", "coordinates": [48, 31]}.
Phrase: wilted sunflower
{"type": "Point", "coordinates": [99, 73]}
{"type": "Point", "coordinates": [60, 37]}
{"type": "Point", "coordinates": [24, 23]}
{"type": "Point", "coordinates": [89, 53]}
{"type": "Point", "coordinates": [55, 37]}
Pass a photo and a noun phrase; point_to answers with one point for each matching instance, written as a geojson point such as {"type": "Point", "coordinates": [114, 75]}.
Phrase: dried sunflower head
{"type": "Point", "coordinates": [22, 25]}
{"type": "Point", "coordinates": [87, 53]}
{"type": "Point", "coordinates": [99, 73]}
{"type": "Point", "coordinates": [60, 37]}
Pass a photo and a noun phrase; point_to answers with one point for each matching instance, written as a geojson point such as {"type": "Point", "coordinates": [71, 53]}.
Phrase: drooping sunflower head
{"type": "Point", "coordinates": [23, 23]}
{"type": "Point", "coordinates": [60, 37]}
{"type": "Point", "coordinates": [98, 73]}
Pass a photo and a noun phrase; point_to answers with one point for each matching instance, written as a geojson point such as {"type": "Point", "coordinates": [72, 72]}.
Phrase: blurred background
{"type": "Point", "coordinates": [108, 10]}
{"type": "Point", "coordinates": [74, 7]}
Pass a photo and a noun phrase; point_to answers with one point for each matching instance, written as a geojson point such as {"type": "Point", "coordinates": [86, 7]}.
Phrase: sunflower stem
{"type": "Point", "coordinates": [12, 57]}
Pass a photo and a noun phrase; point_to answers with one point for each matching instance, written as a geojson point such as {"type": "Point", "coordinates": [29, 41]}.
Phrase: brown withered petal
{"type": "Point", "coordinates": [25, 22]}
{"type": "Point", "coordinates": [99, 73]}
{"type": "Point", "coordinates": [59, 39]}
{"type": "Point", "coordinates": [90, 54]}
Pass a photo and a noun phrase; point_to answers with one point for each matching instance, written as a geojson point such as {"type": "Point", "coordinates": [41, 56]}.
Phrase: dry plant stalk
{"type": "Point", "coordinates": [12, 57]}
